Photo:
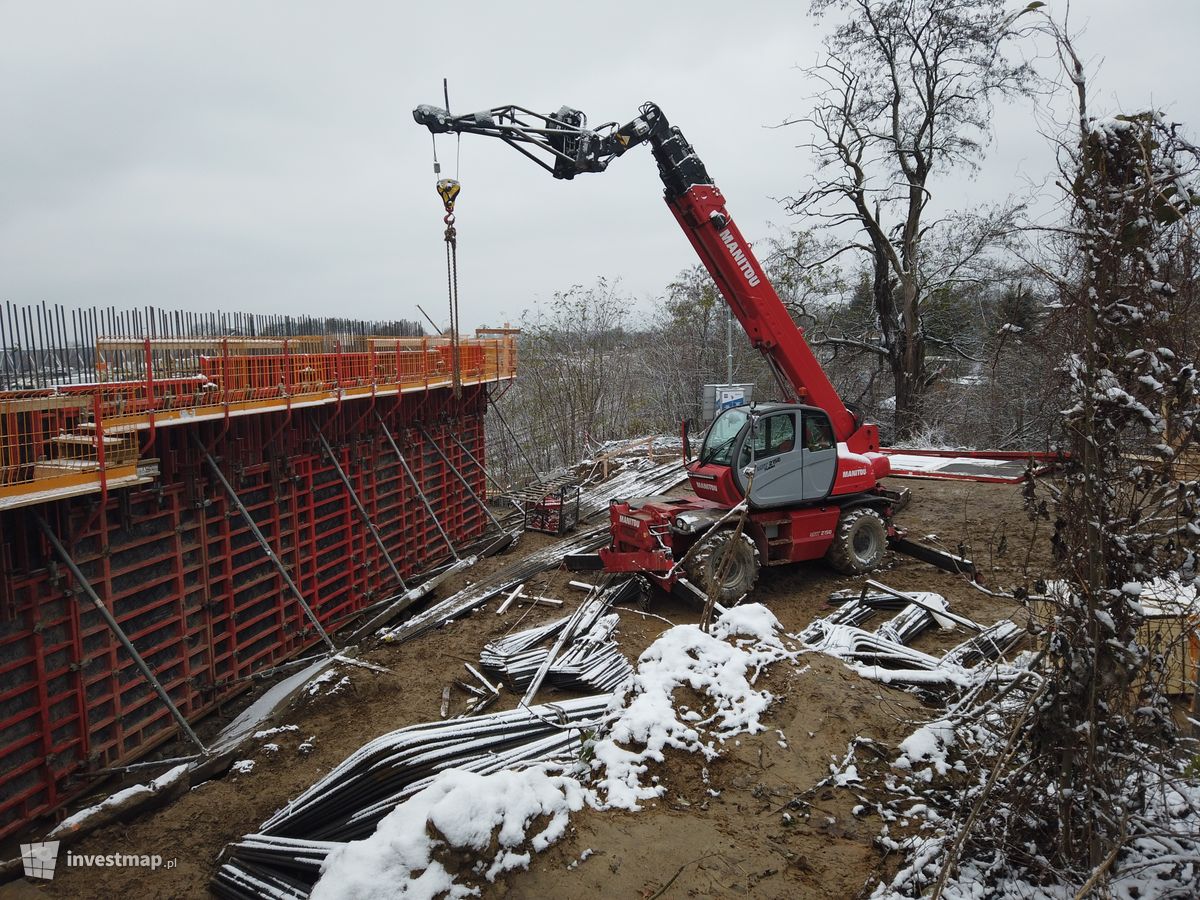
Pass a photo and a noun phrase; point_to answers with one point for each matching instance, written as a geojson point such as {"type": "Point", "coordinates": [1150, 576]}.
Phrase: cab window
{"type": "Point", "coordinates": [818, 432]}
{"type": "Point", "coordinates": [718, 445]}
{"type": "Point", "coordinates": [775, 434]}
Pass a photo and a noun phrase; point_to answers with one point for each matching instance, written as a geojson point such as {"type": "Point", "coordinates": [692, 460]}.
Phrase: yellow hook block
{"type": "Point", "coordinates": [448, 190]}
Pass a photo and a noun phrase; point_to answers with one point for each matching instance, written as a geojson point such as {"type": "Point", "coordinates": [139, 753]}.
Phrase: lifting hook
{"type": "Point", "coordinates": [448, 190]}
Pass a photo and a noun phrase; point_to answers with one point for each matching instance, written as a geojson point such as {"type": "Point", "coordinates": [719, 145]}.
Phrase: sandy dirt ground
{"type": "Point", "coordinates": [732, 835]}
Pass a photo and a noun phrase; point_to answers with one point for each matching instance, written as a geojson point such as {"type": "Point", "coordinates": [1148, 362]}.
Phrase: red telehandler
{"type": "Point", "coordinates": [808, 469]}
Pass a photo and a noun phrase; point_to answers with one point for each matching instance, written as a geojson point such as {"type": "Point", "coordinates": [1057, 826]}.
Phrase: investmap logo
{"type": "Point", "coordinates": [39, 859]}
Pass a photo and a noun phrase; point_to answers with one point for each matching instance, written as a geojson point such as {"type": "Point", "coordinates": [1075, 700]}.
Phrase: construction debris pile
{"type": "Point", "coordinates": [883, 655]}
{"type": "Point", "coordinates": [588, 658]}
{"type": "Point", "coordinates": [634, 480]}
{"type": "Point", "coordinates": [372, 808]}
{"type": "Point", "coordinates": [283, 859]}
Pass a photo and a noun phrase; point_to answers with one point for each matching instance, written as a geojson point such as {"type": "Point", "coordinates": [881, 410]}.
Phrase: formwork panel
{"type": "Point", "coordinates": [185, 577]}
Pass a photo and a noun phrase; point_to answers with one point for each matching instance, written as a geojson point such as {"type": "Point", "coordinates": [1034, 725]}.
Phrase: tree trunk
{"type": "Point", "coordinates": [906, 348]}
{"type": "Point", "coordinates": [910, 401]}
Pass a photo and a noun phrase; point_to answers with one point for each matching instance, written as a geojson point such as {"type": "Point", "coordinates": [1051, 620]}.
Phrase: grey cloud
{"type": "Point", "coordinates": [260, 156]}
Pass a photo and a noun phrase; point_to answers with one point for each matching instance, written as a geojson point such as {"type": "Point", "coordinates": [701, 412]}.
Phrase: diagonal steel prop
{"type": "Point", "coordinates": [262, 541]}
{"type": "Point", "coordinates": [412, 595]}
{"type": "Point", "coordinates": [115, 627]}
{"type": "Point", "coordinates": [516, 443]}
{"type": "Point", "coordinates": [362, 510]}
{"type": "Point", "coordinates": [412, 479]}
{"type": "Point", "coordinates": [466, 484]}
{"type": "Point", "coordinates": [471, 456]}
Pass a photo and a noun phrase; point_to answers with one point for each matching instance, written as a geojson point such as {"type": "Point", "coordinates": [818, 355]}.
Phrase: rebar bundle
{"type": "Point", "coordinates": [591, 662]}
{"type": "Point", "coordinates": [985, 647]}
{"type": "Point", "coordinates": [594, 662]}
{"type": "Point", "coordinates": [883, 656]}
{"type": "Point", "coordinates": [283, 860]}
{"type": "Point", "coordinates": [43, 345]}
{"type": "Point", "coordinates": [636, 480]}
{"type": "Point", "coordinates": [912, 621]}
{"type": "Point", "coordinates": [479, 593]}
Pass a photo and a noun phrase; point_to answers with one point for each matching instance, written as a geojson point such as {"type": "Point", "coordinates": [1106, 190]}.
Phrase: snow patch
{"type": "Point", "coordinates": [266, 733]}
{"type": "Point", "coordinates": [645, 716]}
{"type": "Point", "coordinates": [929, 743]}
{"type": "Point", "coordinates": [489, 815]}
{"type": "Point", "coordinates": [321, 684]}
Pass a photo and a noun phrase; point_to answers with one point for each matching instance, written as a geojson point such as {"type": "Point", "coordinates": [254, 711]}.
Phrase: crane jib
{"type": "Point", "coordinates": [562, 144]}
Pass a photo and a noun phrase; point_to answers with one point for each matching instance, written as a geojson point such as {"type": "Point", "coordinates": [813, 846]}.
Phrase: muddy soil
{"type": "Point", "coordinates": [730, 835]}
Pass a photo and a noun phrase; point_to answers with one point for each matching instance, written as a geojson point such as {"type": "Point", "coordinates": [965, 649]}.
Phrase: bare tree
{"type": "Point", "coordinates": [688, 345]}
{"type": "Point", "coordinates": [1124, 515]}
{"type": "Point", "coordinates": [574, 386]}
{"type": "Point", "coordinates": [689, 342]}
{"type": "Point", "coordinates": [907, 91]}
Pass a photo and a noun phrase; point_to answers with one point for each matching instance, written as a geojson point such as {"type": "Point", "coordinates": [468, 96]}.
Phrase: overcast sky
{"type": "Point", "coordinates": [261, 156]}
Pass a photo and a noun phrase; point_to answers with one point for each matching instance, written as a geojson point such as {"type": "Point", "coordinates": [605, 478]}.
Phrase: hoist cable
{"type": "Point", "coordinates": [448, 190]}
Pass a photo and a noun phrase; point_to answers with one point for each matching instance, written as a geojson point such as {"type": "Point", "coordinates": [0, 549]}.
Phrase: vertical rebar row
{"type": "Point", "coordinates": [43, 345]}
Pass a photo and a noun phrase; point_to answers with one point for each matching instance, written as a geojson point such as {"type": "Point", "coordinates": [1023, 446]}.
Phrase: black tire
{"type": "Point", "coordinates": [859, 542]}
{"type": "Point", "coordinates": [741, 571]}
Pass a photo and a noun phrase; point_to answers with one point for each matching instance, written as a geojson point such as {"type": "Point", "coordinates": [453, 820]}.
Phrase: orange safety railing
{"type": "Point", "coordinates": [71, 433]}
{"type": "Point", "coordinates": [50, 439]}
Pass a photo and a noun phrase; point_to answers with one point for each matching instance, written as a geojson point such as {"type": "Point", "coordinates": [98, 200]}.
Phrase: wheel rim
{"type": "Point", "coordinates": [738, 565]}
{"type": "Point", "coordinates": [865, 543]}
{"type": "Point", "coordinates": [737, 571]}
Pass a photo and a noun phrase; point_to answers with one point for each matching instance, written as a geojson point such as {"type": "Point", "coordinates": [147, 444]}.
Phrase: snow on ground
{"type": "Point", "coordinates": [498, 819]}
{"type": "Point", "coordinates": [323, 683]}
{"type": "Point", "coordinates": [268, 732]}
{"type": "Point", "coordinates": [928, 745]}
{"type": "Point", "coordinates": [259, 711]}
{"type": "Point", "coordinates": [1161, 858]}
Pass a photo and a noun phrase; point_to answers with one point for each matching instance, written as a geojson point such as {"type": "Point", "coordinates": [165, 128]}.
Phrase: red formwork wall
{"type": "Point", "coordinates": [185, 577]}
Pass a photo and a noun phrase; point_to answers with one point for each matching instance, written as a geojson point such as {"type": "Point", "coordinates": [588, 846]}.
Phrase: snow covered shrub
{"type": "Point", "coordinates": [1083, 785]}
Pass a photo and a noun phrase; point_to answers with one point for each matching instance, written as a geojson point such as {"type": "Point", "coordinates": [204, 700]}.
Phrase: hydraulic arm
{"type": "Point", "coordinates": [564, 145]}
